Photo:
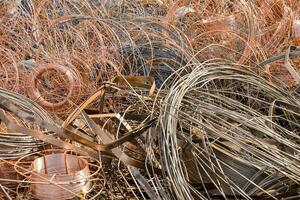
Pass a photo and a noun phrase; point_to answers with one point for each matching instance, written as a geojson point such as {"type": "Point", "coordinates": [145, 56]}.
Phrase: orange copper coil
{"type": "Point", "coordinates": [59, 176]}
{"type": "Point", "coordinates": [54, 87]}
{"type": "Point", "coordinates": [296, 32]}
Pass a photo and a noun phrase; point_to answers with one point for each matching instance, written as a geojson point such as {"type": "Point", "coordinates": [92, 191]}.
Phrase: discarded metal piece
{"type": "Point", "coordinates": [59, 176]}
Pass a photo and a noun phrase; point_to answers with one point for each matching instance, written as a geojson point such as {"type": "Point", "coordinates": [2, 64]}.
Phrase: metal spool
{"type": "Point", "coordinates": [59, 176]}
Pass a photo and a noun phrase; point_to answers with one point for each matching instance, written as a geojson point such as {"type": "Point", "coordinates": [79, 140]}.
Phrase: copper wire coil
{"type": "Point", "coordinates": [59, 176]}
{"type": "Point", "coordinates": [81, 180]}
{"type": "Point", "coordinates": [72, 85]}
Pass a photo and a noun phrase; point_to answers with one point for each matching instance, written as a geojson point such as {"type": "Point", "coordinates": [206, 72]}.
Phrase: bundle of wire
{"type": "Point", "coordinates": [226, 132]}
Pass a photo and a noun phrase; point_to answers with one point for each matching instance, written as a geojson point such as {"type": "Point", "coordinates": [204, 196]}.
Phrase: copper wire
{"type": "Point", "coordinates": [149, 99]}
{"type": "Point", "coordinates": [54, 170]}
{"type": "Point", "coordinates": [72, 83]}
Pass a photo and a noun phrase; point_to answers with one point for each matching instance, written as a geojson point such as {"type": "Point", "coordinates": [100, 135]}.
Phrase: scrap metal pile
{"type": "Point", "coordinates": [149, 99]}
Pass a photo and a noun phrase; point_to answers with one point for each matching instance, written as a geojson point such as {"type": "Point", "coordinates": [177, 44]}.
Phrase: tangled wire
{"type": "Point", "coordinates": [149, 99]}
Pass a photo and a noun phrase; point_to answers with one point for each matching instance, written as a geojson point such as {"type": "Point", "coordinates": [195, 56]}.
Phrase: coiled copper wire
{"type": "Point", "coordinates": [64, 79]}
{"type": "Point", "coordinates": [59, 176]}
